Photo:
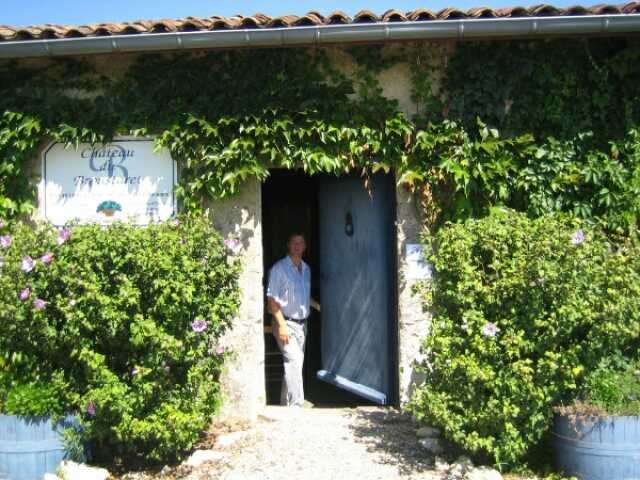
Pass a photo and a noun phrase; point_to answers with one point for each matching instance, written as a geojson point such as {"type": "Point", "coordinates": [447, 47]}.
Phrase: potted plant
{"type": "Point", "coordinates": [34, 435]}
{"type": "Point", "coordinates": [598, 435]}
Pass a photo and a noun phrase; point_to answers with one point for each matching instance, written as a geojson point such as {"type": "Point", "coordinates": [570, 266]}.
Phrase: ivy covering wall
{"type": "Point", "coordinates": [535, 125]}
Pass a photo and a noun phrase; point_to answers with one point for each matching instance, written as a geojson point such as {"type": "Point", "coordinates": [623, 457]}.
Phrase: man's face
{"type": "Point", "coordinates": [296, 245]}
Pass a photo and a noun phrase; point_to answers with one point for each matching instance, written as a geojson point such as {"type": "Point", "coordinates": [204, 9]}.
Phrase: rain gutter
{"type": "Point", "coordinates": [462, 29]}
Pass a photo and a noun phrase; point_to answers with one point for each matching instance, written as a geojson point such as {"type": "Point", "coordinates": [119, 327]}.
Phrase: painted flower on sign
{"type": "Point", "coordinates": [25, 293]}
{"type": "Point", "coordinates": [47, 258]}
{"type": "Point", "coordinates": [5, 241]}
{"type": "Point", "coordinates": [28, 264]}
{"type": "Point", "coordinates": [109, 208]}
{"type": "Point", "coordinates": [490, 330]}
{"type": "Point", "coordinates": [91, 408]}
{"type": "Point", "coordinates": [198, 325]}
{"type": "Point", "coordinates": [220, 350]}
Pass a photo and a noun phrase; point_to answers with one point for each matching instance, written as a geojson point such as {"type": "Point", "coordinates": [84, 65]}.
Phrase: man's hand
{"type": "Point", "coordinates": [315, 304]}
{"type": "Point", "coordinates": [283, 333]}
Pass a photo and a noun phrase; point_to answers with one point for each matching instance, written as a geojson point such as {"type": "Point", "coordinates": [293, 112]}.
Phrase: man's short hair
{"type": "Point", "coordinates": [294, 234]}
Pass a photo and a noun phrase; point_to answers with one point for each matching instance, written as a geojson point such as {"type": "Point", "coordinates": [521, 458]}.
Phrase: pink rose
{"type": "Point", "coordinates": [47, 258]}
{"type": "Point", "coordinates": [28, 264]}
{"type": "Point", "coordinates": [64, 235]}
{"type": "Point", "coordinates": [39, 304]}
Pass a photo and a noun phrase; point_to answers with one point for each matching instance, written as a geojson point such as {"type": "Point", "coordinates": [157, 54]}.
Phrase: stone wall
{"type": "Point", "coordinates": [243, 380]}
{"type": "Point", "coordinates": [413, 323]}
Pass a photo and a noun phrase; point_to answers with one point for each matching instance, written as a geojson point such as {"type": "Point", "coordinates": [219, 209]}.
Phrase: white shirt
{"type": "Point", "coordinates": [290, 287]}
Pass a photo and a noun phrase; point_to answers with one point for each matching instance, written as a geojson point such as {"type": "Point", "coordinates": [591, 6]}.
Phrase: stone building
{"type": "Point", "coordinates": [363, 245]}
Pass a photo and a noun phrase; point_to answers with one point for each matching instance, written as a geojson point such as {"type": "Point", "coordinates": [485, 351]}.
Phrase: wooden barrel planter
{"type": "Point", "coordinates": [598, 448]}
{"type": "Point", "coordinates": [30, 446]}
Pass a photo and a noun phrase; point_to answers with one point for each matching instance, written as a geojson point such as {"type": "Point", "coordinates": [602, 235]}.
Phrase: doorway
{"type": "Point", "coordinates": [352, 350]}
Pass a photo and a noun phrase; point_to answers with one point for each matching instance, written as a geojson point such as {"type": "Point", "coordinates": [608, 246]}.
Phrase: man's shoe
{"type": "Point", "coordinates": [307, 404]}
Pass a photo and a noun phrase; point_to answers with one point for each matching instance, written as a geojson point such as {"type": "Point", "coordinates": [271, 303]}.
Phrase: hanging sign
{"type": "Point", "coordinates": [123, 180]}
{"type": "Point", "coordinates": [417, 266]}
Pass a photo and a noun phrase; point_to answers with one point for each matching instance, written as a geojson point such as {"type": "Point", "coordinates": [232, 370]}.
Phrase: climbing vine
{"type": "Point", "coordinates": [571, 141]}
{"type": "Point", "coordinates": [554, 88]}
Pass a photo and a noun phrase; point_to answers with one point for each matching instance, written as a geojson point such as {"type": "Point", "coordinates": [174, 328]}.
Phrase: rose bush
{"type": "Point", "coordinates": [122, 324]}
{"type": "Point", "coordinates": [522, 310]}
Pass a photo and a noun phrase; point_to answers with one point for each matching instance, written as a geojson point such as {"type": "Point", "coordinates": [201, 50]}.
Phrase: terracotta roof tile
{"type": "Point", "coordinates": [631, 7]}
{"type": "Point", "coordinates": [482, 12]}
{"type": "Point", "coordinates": [450, 14]}
{"type": "Point", "coordinates": [365, 16]}
{"type": "Point", "coordinates": [259, 20]}
{"type": "Point", "coordinates": [512, 12]}
{"type": "Point", "coordinates": [421, 14]}
{"type": "Point", "coordinates": [393, 16]}
{"type": "Point", "coordinates": [605, 9]}
{"type": "Point", "coordinates": [311, 18]}
{"type": "Point", "coordinates": [337, 17]}
{"type": "Point", "coordinates": [283, 21]}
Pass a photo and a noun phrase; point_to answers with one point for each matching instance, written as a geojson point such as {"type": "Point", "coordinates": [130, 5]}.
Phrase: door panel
{"type": "Point", "coordinates": [356, 281]}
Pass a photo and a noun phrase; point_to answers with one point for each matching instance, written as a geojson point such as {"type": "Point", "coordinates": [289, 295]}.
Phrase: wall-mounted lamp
{"type": "Point", "coordinates": [348, 225]}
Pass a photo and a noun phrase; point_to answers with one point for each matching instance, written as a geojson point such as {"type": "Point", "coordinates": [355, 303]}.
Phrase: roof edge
{"type": "Point", "coordinates": [462, 29]}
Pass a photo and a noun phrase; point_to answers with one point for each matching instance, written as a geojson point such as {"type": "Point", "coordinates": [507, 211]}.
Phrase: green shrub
{"type": "Point", "coordinates": [613, 387]}
{"type": "Point", "coordinates": [125, 322]}
{"type": "Point", "coordinates": [38, 399]}
{"type": "Point", "coordinates": [522, 309]}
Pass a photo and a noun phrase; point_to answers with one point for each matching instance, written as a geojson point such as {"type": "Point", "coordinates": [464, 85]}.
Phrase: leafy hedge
{"type": "Point", "coordinates": [118, 324]}
{"type": "Point", "coordinates": [522, 310]}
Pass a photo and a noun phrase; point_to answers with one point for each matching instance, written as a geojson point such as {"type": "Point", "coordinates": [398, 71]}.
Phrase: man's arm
{"type": "Point", "coordinates": [276, 311]}
{"type": "Point", "coordinates": [275, 292]}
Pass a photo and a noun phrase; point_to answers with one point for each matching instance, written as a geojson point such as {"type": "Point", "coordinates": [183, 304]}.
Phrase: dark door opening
{"type": "Point", "coordinates": [292, 201]}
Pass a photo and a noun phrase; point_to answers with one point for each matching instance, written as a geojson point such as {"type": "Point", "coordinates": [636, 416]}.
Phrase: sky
{"type": "Point", "coordinates": [77, 12]}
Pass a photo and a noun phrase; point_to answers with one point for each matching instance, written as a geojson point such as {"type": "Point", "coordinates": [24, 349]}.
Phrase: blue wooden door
{"type": "Point", "coordinates": [356, 285]}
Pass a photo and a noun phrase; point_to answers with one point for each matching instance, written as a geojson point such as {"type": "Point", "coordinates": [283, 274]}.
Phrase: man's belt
{"type": "Point", "coordinates": [297, 320]}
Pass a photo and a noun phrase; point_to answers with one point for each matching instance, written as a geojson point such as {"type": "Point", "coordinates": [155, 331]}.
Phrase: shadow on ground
{"type": "Point", "coordinates": [393, 435]}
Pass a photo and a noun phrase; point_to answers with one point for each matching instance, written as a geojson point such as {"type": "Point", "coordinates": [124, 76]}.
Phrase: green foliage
{"type": "Point", "coordinates": [19, 138]}
{"type": "Point", "coordinates": [74, 441]}
{"type": "Point", "coordinates": [37, 399]}
{"type": "Point", "coordinates": [123, 323]}
{"type": "Point", "coordinates": [546, 88]}
{"type": "Point", "coordinates": [522, 309]}
{"type": "Point", "coordinates": [614, 386]}
{"type": "Point", "coordinates": [296, 111]}
{"type": "Point", "coordinates": [466, 175]}
{"type": "Point", "coordinates": [599, 185]}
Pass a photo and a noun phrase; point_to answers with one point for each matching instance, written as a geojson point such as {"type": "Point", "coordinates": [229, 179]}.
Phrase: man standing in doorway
{"type": "Point", "coordinates": [289, 298]}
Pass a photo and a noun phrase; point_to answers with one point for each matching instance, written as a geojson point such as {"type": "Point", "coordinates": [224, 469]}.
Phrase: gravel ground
{"type": "Point", "coordinates": [326, 444]}
{"type": "Point", "coordinates": [362, 443]}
